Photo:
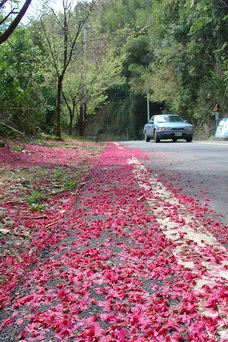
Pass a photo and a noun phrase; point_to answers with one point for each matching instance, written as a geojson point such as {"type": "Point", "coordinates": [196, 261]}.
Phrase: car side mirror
{"type": "Point", "coordinates": [186, 121]}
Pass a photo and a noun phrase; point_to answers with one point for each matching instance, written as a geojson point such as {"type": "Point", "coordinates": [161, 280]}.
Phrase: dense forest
{"type": "Point", "coordinates": [97, 69]}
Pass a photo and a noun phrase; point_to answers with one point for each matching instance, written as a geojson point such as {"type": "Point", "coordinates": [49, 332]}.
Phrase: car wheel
{"type": "Point", "coordinates": [174, 139]}
{"type": "Point", "coordinates": [147, 139]}
{"type": "Point", "coordinates": [156, 138]}
{"type": "Point", "coordinates": [189, 139]}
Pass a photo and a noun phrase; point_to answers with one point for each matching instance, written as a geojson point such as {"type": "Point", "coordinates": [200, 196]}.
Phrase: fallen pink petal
{"type": "Point", "coordinates": [100, 263]}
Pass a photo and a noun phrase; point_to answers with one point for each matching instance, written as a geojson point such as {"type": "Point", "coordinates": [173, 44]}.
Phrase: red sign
{"type": "Point", "coordinates": [216, 108]}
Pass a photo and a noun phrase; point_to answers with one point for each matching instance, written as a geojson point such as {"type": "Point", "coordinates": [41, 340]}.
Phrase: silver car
{"type": "Point", "coordinates": [168, 126]}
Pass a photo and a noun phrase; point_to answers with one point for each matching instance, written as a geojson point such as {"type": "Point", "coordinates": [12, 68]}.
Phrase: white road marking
{"type": "Point", "coordinates": [193, 241]}
{"type": "Point", "coordinates": [211, 143]}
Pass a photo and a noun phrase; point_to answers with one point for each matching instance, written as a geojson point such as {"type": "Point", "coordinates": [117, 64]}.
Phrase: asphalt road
{"type": "Point", "coordinates": [198, 169]}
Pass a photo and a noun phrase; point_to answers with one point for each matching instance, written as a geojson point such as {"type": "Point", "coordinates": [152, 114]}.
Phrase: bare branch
{"type": "Point", "coordinates": [2, 3]}
{"type": "Point", "coordinates": [8, 15]}
{"type": "Point", "coordinates": [53, 61]}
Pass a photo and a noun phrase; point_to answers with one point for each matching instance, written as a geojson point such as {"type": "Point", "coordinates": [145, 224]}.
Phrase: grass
{"type": "Point", "coordinates": [40, 186]}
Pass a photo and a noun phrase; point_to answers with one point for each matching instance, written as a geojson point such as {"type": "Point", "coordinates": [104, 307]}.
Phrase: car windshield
{"type": "Point", "coordinates": [175, 118]}
{"type": "Point", "coordinates": [168, 118]}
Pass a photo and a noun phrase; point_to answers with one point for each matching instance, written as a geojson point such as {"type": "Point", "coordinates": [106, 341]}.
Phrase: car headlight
{"type": "Point", "coordinates": [190, 128]}
{"type": "Point", "coordinates": [164, 129]}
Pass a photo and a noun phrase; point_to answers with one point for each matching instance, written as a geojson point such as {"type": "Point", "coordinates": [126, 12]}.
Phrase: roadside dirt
{"type": "Point", "coordinates": [37, 185]}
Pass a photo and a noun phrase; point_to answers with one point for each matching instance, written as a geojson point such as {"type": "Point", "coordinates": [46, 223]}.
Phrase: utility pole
{"type": "Point", "coordinates": [148, 108]}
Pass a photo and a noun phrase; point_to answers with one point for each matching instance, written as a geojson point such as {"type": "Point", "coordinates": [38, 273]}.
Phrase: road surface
{"type": "Point", "coordinates": [198, 169]}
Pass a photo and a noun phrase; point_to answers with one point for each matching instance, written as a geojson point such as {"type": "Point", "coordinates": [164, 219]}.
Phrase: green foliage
{"type": "Point", "coordinates": [17, 148]}
{"type": "Point", "coordinates": [22, 101]}
{"type": "Point", "coordinates": [37, 207]}
{"type": "Point", "coordinates": [173, 51]}
{"type": "Point", "coordinates": [120, 16]}
{"type": "Point", "coordinates": [35, 196]}
{"type": "Point", "coordinates": [188, 48]}
{"type": "Point", "coordinates": [89, 78]}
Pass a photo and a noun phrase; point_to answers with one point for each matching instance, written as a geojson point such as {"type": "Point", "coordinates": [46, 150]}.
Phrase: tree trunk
{"type": "Point", "coordinates": [70, 124]}
{"type": "Point", "coordinates": [82, 120]}
{"type": "Point", "coordinates": [58, 106]}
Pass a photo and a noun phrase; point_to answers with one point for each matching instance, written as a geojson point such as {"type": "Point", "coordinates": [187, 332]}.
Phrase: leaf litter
{"type": "Point", "coordinates": [99, 267]}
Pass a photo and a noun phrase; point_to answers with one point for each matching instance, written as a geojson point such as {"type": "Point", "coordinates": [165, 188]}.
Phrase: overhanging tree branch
{"type": "Point", "coordinates": [15, 22]}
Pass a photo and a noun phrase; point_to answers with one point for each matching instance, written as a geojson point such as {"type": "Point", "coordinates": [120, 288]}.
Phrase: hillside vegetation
{"type": "Point", "coordinates": [89, 69]}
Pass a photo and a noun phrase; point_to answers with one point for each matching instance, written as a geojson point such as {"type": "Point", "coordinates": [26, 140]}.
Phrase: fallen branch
{"type": "Point", "coordinates": [24, 234]}
{"type": "Point", "coordinates": [13, 202]}
{"type": "Point", "coordinates": [16, 255]}
{"type": "Point", "coordinates": [51, 224]}
{"type": "Point", "coordinates": [13, 129]}
{"type": "Point", "coordinates": [33, 217]}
